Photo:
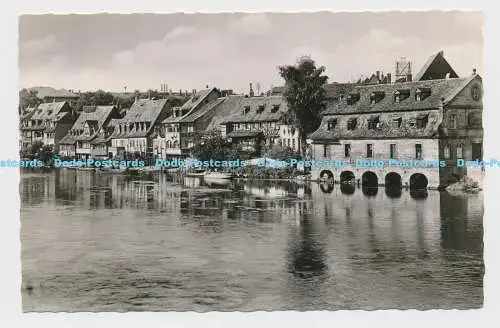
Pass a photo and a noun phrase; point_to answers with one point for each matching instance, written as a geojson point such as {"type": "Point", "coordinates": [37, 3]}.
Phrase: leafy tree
{"type": "Point", "coordinates": [28, 98]}
{"type": "Point", "coordinates": [305, 95]}
{"type": "Point", "coordinates": [280, 153]}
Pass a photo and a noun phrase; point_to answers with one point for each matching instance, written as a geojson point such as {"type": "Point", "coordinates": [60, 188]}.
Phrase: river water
{"type": "Point", "coordinates": [100, 242]}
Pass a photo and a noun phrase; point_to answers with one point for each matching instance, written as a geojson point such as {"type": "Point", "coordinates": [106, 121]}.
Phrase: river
{"type": "Point", "coordinates": [100, 242]}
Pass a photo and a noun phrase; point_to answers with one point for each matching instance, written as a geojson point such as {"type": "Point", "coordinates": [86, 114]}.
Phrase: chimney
{"type": "Point", "coordinates": [473, 71]}
{"type": "Point", "coordinates": [389, 81]}
{"type": "Point", "coordinates": [251, 90]}
{"type": "Point", "coordinates": [378, 76]}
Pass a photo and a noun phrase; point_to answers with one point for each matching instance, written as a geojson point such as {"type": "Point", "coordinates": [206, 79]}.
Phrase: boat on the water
{"type": "Point", "coordinates": [217, 175]}
{"type": "Point", "coordinates": [196, 173]}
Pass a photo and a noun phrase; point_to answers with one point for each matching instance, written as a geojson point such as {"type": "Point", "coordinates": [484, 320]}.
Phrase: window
{"type": "Point", "coordinates": [293, 143]}
{"type": "Point", "coordinates": [332, 124]}
{"type": "Point", "coordinates": [246, 109]}
{"type": "Point", "coordinates": [369, 150]}
{"type": "Point", "coordinates": [460, 151]}
{"type": "Point", "coordinates": [477, 151]}
{"type": "Point", "coordinates": [376, 96]}
{"type": "Point", "coordinates": [373, 122]}
{"type": "Point", "coordinates": [422, 93]}
{"type": "Point", "coordinates": [275, 108]}
{"type": "Point", "coordinates": [422, 121]}
{"type": "Point", "coordinates": [446, 152]}
{"type": "Point", "coordinates": [400, 95]}
{"type": "Point", "coordinates": [326, 151]}
{"type": "Point", "coordinates": [352, 98]}
{"type": "Point", "coordinates": [392, 151]}
{"type": "Point", "coordinates": [260, 109]}
{"type": "Point", "coordinates": [351, 123]}
{"type": "Point", "coordinates": [418, 151]}
{"type": "Point", "coordinates": [396, 122]}
{"type": "Point", "coordinates": [453, 121]}
{"type": "Point", "coordinates": [347, 150]}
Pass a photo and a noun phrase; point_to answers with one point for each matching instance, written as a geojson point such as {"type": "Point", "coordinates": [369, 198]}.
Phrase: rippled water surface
{"type": "Point", "coordinates": [101, 242]}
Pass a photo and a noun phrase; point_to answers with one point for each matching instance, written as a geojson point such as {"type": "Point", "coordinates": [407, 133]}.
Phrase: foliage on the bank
{"type": "Point", "coordinates": [305, 94]}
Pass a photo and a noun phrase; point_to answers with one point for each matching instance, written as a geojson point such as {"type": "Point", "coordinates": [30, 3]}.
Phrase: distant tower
{"type": "Point", "coordinates": [403, 70]}
{"type": "Point", "coordinates": [251, 90]}
{"type": "Point", "coordinates": [125, 87]}
{"type": "Point", "coordinates": [258, 88]}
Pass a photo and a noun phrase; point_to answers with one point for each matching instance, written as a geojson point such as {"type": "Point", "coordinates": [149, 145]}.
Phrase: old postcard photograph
{"type": "Point", "coordinates": [205, 162]}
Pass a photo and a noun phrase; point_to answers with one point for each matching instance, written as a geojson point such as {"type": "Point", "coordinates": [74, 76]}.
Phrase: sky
{"type": "Point", "coordinates": [228, 51]}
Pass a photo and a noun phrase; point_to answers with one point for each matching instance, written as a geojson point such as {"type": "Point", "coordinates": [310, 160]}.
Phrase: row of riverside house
{"type": "Point", "coordinates": [434, 116]}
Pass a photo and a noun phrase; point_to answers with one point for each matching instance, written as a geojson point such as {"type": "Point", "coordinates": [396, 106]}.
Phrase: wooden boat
{"type": "Point", "coordinates": [217, 176]}
{"type": "Point", "coordinates": [197, 173]}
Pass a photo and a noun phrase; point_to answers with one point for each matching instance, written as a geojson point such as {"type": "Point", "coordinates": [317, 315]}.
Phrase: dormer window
{"type": "Point", "coordinates": [352, 98]}
{"type": "Point", "coordinates": [275, 108]}
{"type": "Point", "coordinates": [246, 109]}
{"type": "Point", "coordinates": [260, 109]}
{"type": "Point", "coordinates": [373, 122]}
{"type": "Point", "coordinates": [352, 123]}
{"type": "Point", "coordinates": [332, 123]}
{"type": "Point", "coordinates": [422, 121]}
{"type": "Point", "coordinates": [376, 96]}
{"type": "Point", "coordinates": [396, 122]}
{"type": "Point", "coordinates": [400, 95]}
{"type": "Point", "coordinates": [422, 93]}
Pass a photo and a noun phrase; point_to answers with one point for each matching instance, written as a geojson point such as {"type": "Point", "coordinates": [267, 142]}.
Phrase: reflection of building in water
{"type": "Point", "coordinates": [36, 189]}
{"type": "Point", "coordinates": [461, 222]}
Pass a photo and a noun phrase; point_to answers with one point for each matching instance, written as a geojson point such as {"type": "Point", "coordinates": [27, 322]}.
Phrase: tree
{"type": "Point", "coordinates": [28, 98]}
{"type": "Point", "coordinates": [305, 95]}
{"type": "Point", "coordinates": [210, 145]}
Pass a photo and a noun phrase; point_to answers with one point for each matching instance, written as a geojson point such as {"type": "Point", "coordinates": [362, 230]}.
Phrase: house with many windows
{"type": "Point", "coordinates": [176, 134]}
{"type": "Point", "coordinates": [48, 123]}
{"type": "Point", "coordinates": [428, 120]}
{"type": "Point", "coordinates": [133, 135]}
{"type": "Point", "coordinates": [78, 142]}
{"type": "Point", "coordinates": [255, 121]}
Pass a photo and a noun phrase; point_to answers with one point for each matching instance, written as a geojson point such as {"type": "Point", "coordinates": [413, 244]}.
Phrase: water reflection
{"type": "Point", "coordinates": [244, 245]}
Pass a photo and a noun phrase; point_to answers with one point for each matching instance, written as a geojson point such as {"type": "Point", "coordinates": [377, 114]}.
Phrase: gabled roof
{"type": "Point", "coordinates": [145, 110]}
{"type": "Point", "coordinates": [142, 111]}
{"type": "Point", "coordinates": [442, 91]}
{"type": "Point", "coordinates": [204, 109]}
{"type": "Point", "coordinates": [96, 118]}
{"type": "Point", "coordinates": [385, 129]}
{"type": "Point", "coordinates": [196, 99]}
{"type": "Point", "coordinates": [232, 109]}
{"type": "Point", "coordinates": [436, 67]}
{"type": "Point", "coordinates": [48, 111]}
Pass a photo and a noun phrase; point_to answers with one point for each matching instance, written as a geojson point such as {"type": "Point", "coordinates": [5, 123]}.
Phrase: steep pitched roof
{"type": "Point", "coordinates": [436, 67]}
{"type": "Point", "coordinates": [204, 109]}
{"type": "Point", "coordinates": [145, 110]}
{"type": "Point", "coordinates": [48, 111]}
{"type": "Point", "coordinates": [97, 117]}
{"type": "Point", "coordinates": [442, 91]}
{"type": "Point", "coordinates": [385, 129]}
{"type": "Point", "coordinates": [232, 109]}
{"type": "Point", "coordinates": [142, 111]}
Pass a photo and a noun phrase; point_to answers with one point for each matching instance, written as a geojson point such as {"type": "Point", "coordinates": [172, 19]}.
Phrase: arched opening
{"type": "Point", "coordinates": [369, 191]}
{"type": "Point", "coordinates": [347, 189]}
{"type": "Point", "coordinates": [326, 176]}
{"type": "Point", "coordinates": [419, 193]}
{"type": "Point", "coordinates": [393, 181]}
{"type": "Point", "coordinates": [347, 177]}
{"type": "Point", "coordinates": [327, 188]}
{"type": "Point", "coordinates": [393, 192]}
{"type": "Point", "coordinates": [418, 181]}
{"type": "Point", "coordinates": [369, 180]}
